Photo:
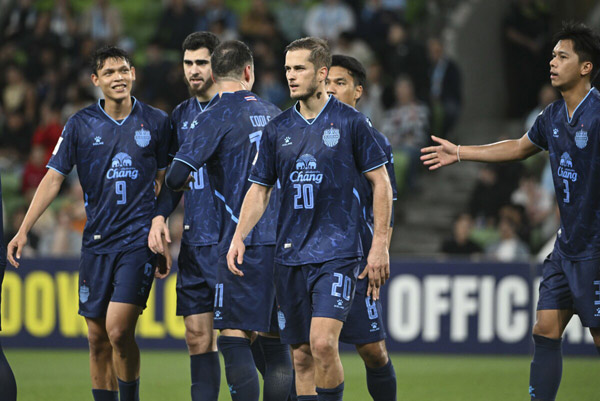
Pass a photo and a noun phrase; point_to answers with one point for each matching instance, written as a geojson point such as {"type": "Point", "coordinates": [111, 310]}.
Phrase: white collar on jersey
{"type": "Point", "coordinates": [207, 104]}
{"type": "Point", "coordinates": [112, 119]}
{"type": "Point", "coordinates": [314, 119]}
{"type": "Point", "coordinates": [575, 111]}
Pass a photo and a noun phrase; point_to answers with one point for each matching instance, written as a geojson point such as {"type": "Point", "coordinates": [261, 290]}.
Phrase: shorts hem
{"type": "Point", "coordinates": [362, 341]}
{"type": "Point", "coordinates": [190, 312]}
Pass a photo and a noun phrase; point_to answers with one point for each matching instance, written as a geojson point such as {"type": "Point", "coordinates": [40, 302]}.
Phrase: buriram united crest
{"type": "Point", "coordinates": [331, 136]}
{"type": "Point", "coordinates": [142, 137]}
{"type": "Point", "coordinates": [581, 138]}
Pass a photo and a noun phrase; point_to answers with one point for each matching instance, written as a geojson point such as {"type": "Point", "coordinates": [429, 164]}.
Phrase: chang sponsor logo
{"type": "Point", "coordinates": [565, 169]}
{"type": "Point", "coordinates": [121, 167]}
{"type": "Point", "coordinates": [306, 170]}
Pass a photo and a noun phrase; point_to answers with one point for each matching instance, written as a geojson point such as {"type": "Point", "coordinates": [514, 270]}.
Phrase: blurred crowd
{"type": "Point", "coordinates": [413, 88]}
{"type": "Point", "coordinates": [44, 77]}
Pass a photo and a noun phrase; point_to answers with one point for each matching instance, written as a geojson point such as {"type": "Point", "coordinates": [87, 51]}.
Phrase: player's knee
{"type": "Point", "coordinates": [374, 354]}
{"type": "Point", "coordinates": [99, 343]}
{"type": "Point", "coordinates": [323, 348]}
{"type": "Point", "coordinates": [199, 340]}
{"type": "Point", "coordinates": [120, 338]}
{"type": "Point", "coordinates": [545, 329]}
{"type": "Point", "coordinates": [303, 360]}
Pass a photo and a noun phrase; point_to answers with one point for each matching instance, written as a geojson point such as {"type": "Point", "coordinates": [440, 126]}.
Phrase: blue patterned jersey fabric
{"type": "Point", "coordinates": [117, 162]}
{"type": "Point", "coordinates": [318, 164]}
{"type": "Point", "coordinates": [573, 145]}
{"type": "Point", "coordinates": [200, 220]}
{"type": "Point", "coordinates": [365, 194]}
{"type": "Point", "coordinates": [226, 139]}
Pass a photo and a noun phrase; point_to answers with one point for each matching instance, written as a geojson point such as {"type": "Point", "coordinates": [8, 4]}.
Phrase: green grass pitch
{"type": "Point", "coordinates": [63, 375]}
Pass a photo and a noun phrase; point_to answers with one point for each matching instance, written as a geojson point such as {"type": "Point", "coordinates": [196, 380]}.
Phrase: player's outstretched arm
{"type": "Point", "coordinates": [254, 205]}
{"type": "Point", "coordinates": [44, 195]}
{"type": "Point", "coordinates": [447, 153]}
{"type": "Point", "coordinates": [378, 260]}
{"type": "Point", "coordinates": [159, 180]}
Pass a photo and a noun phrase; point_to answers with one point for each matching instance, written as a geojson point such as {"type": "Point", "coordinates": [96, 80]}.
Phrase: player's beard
{"type": "Point", "coordinates": [201, 89]}
{"type": "Point", "coordinates": [310, 91]}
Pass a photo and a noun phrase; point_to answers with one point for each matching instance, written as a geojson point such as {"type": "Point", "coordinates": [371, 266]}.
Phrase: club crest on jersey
{"type": "Point", "coordinates": [306, 170]}
{"type": "Point", "coordinates": [121, 167]}
{"type": "Point", "coordinates": [142, 137]}
{"type": "Point", "coordinates": [331, 136]}
{"type": "Point", "coordinates": [84, 293]}
{"type": "Point", "coordinates": [581, 138]}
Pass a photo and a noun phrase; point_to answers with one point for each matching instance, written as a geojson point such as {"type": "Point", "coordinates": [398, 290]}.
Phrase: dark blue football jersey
{"type": "Point", "coordinates": [117, 162]}
{"type": "Point", "coordinates": [200, 220]}
{"type": "Point", "coordinates": [227, 138]}
{"type": "Point", "coordinates": [573, 145]}
{"type": "Point", "coordinates": [318, 164]}
{"type": "Point", "coordinates": [365, 194]}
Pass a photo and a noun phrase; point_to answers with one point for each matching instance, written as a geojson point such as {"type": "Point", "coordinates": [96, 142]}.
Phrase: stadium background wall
{"type": "Point", "coordinates": [437, 307]}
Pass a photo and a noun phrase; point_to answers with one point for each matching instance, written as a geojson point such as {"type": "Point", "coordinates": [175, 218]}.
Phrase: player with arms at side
{"type": "Point", "coordinates": [364, 325]}
{"type": "Point", "coordinates": [317, 150]}
{"type": "Point", "coordinates": [568, 130]}
{"type": "Point", "coordinates": [8, 386]}
{"type": "Point", "coordinates": [197, 275]}
{"type": "Point", "coordinates": [226, 139]}
{"type": "Point", "coordinates": [120, 148]}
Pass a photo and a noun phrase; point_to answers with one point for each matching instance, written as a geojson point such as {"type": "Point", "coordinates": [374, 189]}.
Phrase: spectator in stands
{"type": "Point", "coordinates": [34, 171]}
{"type": "Point", "coordinates": [290, 16]}
{"type": "Point", "coordinates": [546, 95]}
{"type": "Point", "coordinates": [405, 56]}
{"type": "Point", "coordinates": [15, 139]}
{"type": "Point", "coordinates": [460, 243]}
{"type": "Point", "coordinates": [406, 126]}
{"type": "Point", "coordinates": [526, 34]}
{"type": "Point", "coordinates": [271, 89]}
{"type": "Point", "coordinates": [156, 69]}
{"type": "Point", "coordinates": [63, 23]}
{"type": "Point", "coordinates": [48, 131]}
{"type": "Point", "coordinates": [370, 103]}
{"type": "Point", "coordinates": [374, 25]}
{"type": "Point", "coordinates": [350, 44]}
{"type": "Point", "coordinates": [328, 19]}
{"type": "Point", "coordinates": [21, 20]}
{"type": "Point", "coordinates": [102, 22]}
{"type": "Point", "coordinates": [510, 248]}
{"type": "Point", "coordinates": [446, 88]}
{"type": "Point", "coordinates": [536, 201]}
{"type": "Point", "coordinates": [18, 95]}
{"type": "Point", "coordinates": [258, 23]}
{"type": "Point", "coordinates": [176, 22]}
{"type": "Point", "coordinates": [216, 12]}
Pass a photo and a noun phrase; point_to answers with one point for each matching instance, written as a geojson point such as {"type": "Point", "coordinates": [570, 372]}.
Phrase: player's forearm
{"type": "Point", "coordinates": [159, 180]}
{"type": "Point", "coordinates": [495, 152]}
{"type": "Point", "coordinates": [382, 208]}
{"type": "Point", "coordinates": [254, 205]}
{"type": "Point", "coordinates": [167, 201]}
{"type": "Point", "coordinates": [44, 195]}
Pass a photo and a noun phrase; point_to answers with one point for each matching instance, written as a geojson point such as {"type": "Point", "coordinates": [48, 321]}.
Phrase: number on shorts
{"type": "Point", "coordinates": [371, 308]}
{"type": "Point", "coordinates": [343, 282]}
{"type": "Point", "coordinates": [219, 295]}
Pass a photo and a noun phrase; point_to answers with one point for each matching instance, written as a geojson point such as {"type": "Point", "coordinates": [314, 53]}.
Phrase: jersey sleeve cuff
{"type": "Point", "coordinates": [532, 141]}
{"type": "Point", "coordinates": [259, 181]}
{"type": "Point", "coordinates": [379, 163]}
{"type": "Point", "coordinates": [57, 170]}
{"type": "Point", "coordinates": [187, 161]}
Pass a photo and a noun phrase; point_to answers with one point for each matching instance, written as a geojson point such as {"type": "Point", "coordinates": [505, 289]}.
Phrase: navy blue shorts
{"type": "Point", "coordinates": [246, 303]}
{"type": "Point", "coordinates": [114, 277]}
{"type": "Point", "coordinates": [196, 279]}
{"type": "Point", "coordinates": [364, 324]}
{"type": "Point", "coordinates": [313, 290]}
{"type": "Point", "coordinates": [572, 285]}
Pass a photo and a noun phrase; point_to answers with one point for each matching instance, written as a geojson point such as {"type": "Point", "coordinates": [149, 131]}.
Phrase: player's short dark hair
{"type": "Point", "coordinates": [199, 40]}
{"type": "Point", "coordinates": [229, 59]}
{"type": "Point", "coordinates": [354, 67]}
{"type": "Point", "coordinates": [104, 53]}
{"type": "Point", "coordinates": [320, 55]}
{"type": "Point", "coordinates": [586, 43]}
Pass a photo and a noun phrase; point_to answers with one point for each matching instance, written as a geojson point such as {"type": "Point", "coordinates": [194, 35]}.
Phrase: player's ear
{"type": "Point", "coordinates": [213, 77]}
{"type": "Point", "coordinates": [94, 78]}
{"type": "Point", "coordinates": [322, 73]}
{"type": "Point", "coordinates": [358, 91]}
{"type": "Point", "coordinates": [132, 73]}
{"type": "Point", "coordinates": [586, 68]}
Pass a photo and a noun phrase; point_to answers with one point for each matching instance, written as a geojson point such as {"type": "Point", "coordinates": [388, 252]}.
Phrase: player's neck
{"type": "Point", "coordinates": [575, 95]}
{"type": "Point", "coordinates": [118, 110]}
{"type": "Point", "coordinates": [311, 107]}
{"type": "Point", "coordinates": [232, 86]}
{"type": "Point", "coordinates": [208, 95]}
